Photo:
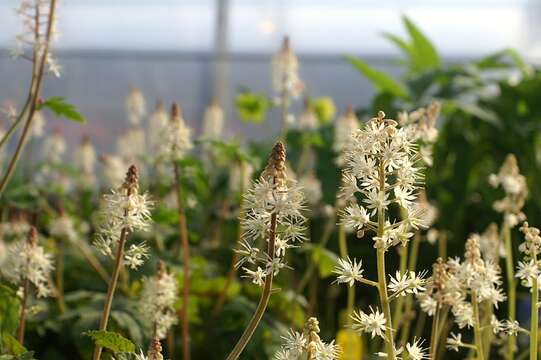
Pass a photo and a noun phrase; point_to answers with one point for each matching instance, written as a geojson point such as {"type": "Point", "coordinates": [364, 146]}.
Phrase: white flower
{"type": "Point", "coordinates": [257, 276]}
{"type": "Point", "coordinates": [38, 124]}
{"type": "Point", "coordinates": [135, 106]}
{"type": "Point", "coordinates": [136, 255]}
{"type": "Point", "coordinates": [84, 157]}
{"type": "Point", "coordinates": [311, 188]}
{"type": "Point", "coordinates": [373, 323]}
{"type": "Point", "coordinates": [348, 271]}
{"type": "Point", "coordinates": [156, 124]}
{"type": "Point", "coordinates": [285, 72]}
{"type": "Point", "coordinates": [343, 129]}
{"type": "Point", "coordinates": [416, 351]}
{"type": "Point", "coordinates": [409, 283]}
{"type": "Point", "coordinates": [158, 297]}
{"type": "Point", "coordinates": [355, 217]}
{"type": "Point", "coordinates": [294, 343]}
{"type": "Point", "coordinates": [131, 145]}
{"type": "Point", "coordinates": [114, 170]}
{"type": "Point", "coordinates": [29, 261]}
{"type": "Point", "coordinates": [428, 304]}
{"type": "Point", "coordinates": [54, 147]}
{"type": "Point", "coordinates": [176, 138]}
{"type": "Point", "coordinates": [404, 197]}
{"type": "Point", "coordinates": [308, 120]}
{"type": "Point", "coordinates": [63, 228]}
{"type": "Point", "coordinates": [327, 351]}
{"type": "Point", "coordinates": [454, 342]}
{"type": "Point", "coordinates": [213, 122]}
{"type": "Point", "coordinates": [463, 313]}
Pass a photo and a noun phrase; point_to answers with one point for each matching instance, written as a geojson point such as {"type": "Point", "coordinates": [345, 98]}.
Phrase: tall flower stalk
{"type": "Point", "coordinates": [380, 165]}
{"type": "Point", "coordinates": [39, 19]}
{"type": "Point", "coordinates": [271, 211]}
{"type": "Point", "coordinates": [175, 145]}
{"type": "Point", "coordinates": [516, 191]}
{"type": "Point", "coordinates": [125, 211]}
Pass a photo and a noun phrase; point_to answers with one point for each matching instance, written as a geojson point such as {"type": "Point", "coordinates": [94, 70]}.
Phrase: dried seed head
{"type": "Point", "coordinates": [311, 325]}
{"type": "Point", "coordinates": [131, 183]}
{"type": "Point", "coordinates": [440, 275]}
{"type": "Point", "coordinates": [32, 237]}
{"type": "Point", "coordinates": [473, 253]}
{"type": "Point", "coordinates": [155, 351]}
{"type": "Point", "coordinates": [276, 167]}
{"type": "Point", "coordinates": [175, 112]}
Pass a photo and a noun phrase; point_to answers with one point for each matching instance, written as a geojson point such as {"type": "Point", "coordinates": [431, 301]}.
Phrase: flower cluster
{"type": "Point", "coordinates": [380, 165]}
{"type": "Point", "coordinates": [422, 122]}
{"type": "Point", "coordinates": [373, 323]}
{"type": "Point", "coordinates": [514, 185]}
{"type": "Point", "coordinates": [29, 261]}
{"type": "Point", "coordinates": [271, 212]}
{"type": "Point", "coordinates": [344, 127]}
{"type": "Point", "coordinates": [157, 124]}
{"type": "Point", "coordinates": [63, 228]}
{"type": "Point", "coordinates": [213, 122]}
{"type": "Point", "coordinates": [407, 283]}
{"type": "Point", "coordinates": [307, 345]}
{"type": "Point", "coordinates": [135, 106]}
{"type": "Point", "coordinates": [36, 15]}
{"type": "Point", "coordinates": [176, 137]}
{"type": "Point", "coordinates": [124, 210]}
{"type": "Point", "coordinates": [84, 158]}
{"type": "Point", "coordinates": [157, 299]}
{"type": "Point", "coordinates": [285, 72]}
{"type": "Point", "coordinates": [412, 351]}
{"type": "Point", "coordinates": [528, 269]}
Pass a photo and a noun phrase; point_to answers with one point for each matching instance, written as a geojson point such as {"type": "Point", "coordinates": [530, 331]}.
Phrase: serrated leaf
{"type": "Point", "coordinates": [425, 54]}
{"type": "Point", "coordinates": [61, 108]}
{"type": "Point", "coordinates": [380, 80]}
{"type": "Point", "coordinates": [111, 340]}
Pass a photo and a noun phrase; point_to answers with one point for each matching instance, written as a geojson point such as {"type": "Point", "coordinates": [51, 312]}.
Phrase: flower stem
{"type": "Point", "coordinates": [412, 266]}
{"type": "Point", "coordinates": [382, 275]}
{"type": "Point", "coordinates": [477, 326]}
{"type": "Point", "coordinates": [263, 301]}
{"type": "Point", "coordinates": [22, 316]}
{"type": "Point", "coordinates": [511, 287]}
{"type": "Point", "coordinates": [183, 230]}
{"type": "Point", "coordinates": [434, 338]}
{"type": "Point", "coordinates": [398, 313]}
{"type": "Point", "coordinates": [534, 319]}
{"type": "Point", "coordinates": [60, 277]}
{"type": "Point", "coordinates": [33, 97]}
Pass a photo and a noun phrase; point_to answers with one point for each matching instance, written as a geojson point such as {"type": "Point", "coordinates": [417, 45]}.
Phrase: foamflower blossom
{"type": "Point", "coordinates": [307, 345]}
{"type": "Point", "coordinates": [311, 188]}
{"type": "Point", "coordinates": [274, 199]}
{"type": "Point", "coordinates": [124, 210]}
{"type": "Point", "coordinates": [372, 323]}
{"type": "Point", "coordinates": [285, 71]}
{"type": "Point", "coordinates": [114, 170]}
{"type": "Point", "coordinates": [176, 138]}
{"type": "Point", "coordinates": [348, 271]}
{"type": "Point", "coordinates": [157, 301]}
{"type": "Point", "coordinates": [213, 122]}
{"type": "Point", "coordinates": [156, 125]}
{"type": "Point", "coordinates": [27, 261]}
{"type": "Point", "coordinates": [407, 283]}
{"type": "Point", "coordinates": [135, 106]}
{"type": "Point", "coordinates": [344, 127]}
{"type": "Point", "coordinates": [515, 188]}
{"type": "Point", "coordinates": [84, 159]}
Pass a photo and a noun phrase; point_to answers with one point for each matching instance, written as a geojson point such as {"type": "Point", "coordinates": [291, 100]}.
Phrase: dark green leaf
{"type": "Point", "coordinates": [61, 108]}
{"type": "Point", "coordinates": [111, 340]}
{"type": "Point", "coordinates": [11, 345]}
{"type": "Point", "coordinates": [380, 80]}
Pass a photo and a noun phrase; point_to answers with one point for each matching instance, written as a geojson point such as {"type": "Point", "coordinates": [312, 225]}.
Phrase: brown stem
{"type": "Point", "coordinates": [183, 230]}
{"type": "Point", "coordinates": [263, 301]}
{"type": "Point", "coordinates": [94, 262]}
{"type": "Point", "coordinates": [22, 317]}
{"type": "Point", "coordinates": [37, 77]}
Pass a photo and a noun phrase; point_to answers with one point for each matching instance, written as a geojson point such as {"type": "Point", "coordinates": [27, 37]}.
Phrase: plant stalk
{"type": "Point", "coordinates": [434, 338]}
{"type": "Point", "coordinates": [511, 287]}
{"type": "Point", "coordinates": [477, 327]}
{"type": "Point", "coordinates": [22, 316]}
{"type": "Point", "coordinates": [534, 319]}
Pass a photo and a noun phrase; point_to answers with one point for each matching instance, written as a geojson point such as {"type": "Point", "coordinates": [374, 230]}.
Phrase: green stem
{"type": "Point", "coordinates": [183, 231]}
{"type": "Point", "coordinates": [398, 313]}
{"type": "Point", "coordinates": [477, 327]}
{"type": "Point", "coordinates": [263, 301]}
{"type": "Point", "coordinates": [22, 316]}
{"type": "Point", "coordinates": [434, 335]}
{"type": "Point", "coordinates": [412, 266]}
{"type": "Point", "coordinates": [511, 287]}
{"type": "Point", "coordinates": [534, 320]}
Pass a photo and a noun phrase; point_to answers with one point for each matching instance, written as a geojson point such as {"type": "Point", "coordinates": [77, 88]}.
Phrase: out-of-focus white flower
{"type": "Point", "coordinates": [285, 71]}
{"type": "Point", "coordinates": [454, 342]}
{"type": "Point", "coordinates": [240, 176]}
{"type": "Point", "coordinates": [29, 261]}
{"type": "Point", "coordinates": [308, 120]}
{"type": "Point", "coordinates": [311, 188]}
{"type": "Point", "coordinates": [373, 323]}
{"type": "Point", "coordinates": [135, 106]}
{"type": "Point", "coordinates": [422, 124]}
{"type": "Point", "coordinates": [54, 148]}
{"type": "Point", "coordinates": [344, 127]}
{"type": "Point", "coordinates": [176, 138]}
{"type": "Point", "coordinates": [84, 159]}
{"type": "Point", "coordinates": [38, 124]}
{"type": "Point", "coordinates": [213, 122]}
{"type": "Point", "coordinates": [63, 228]}
{"type": "Point", "coordinates": [157, 301]}
{"type": "Point", "coordinates": [114, 170]}
{"type": "Point", "coordinates": [132, 144]}
{"type": "Point", "coordinates": [415, 350]}
{"type": "Point", "coordinates": [348, 271]}
{"type": "Point", "coordinates": [156, 125]}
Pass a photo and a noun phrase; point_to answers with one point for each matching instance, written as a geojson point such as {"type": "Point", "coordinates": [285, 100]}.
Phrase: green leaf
{"type": "Point", "coordinates": [111, 340]}
{"type": "Point", "coordinates": [425, 54]}
{"type": "Point", "coordinates": [401, 43]}
{"type": "Point", "coordinates": [252, 107]}
{"type": "Point", "coordinates": [11, 345]}
{"type": "Point", "coordinates": [9, 308]}
{"type": "Point", "coordinates": [61, 108]}
{"type": "Point", "coordinates": [325, 259]}
{"type": "Point", "coordinates": [324, 108]}
{"type": "Point", "coordinates": [381, 81]}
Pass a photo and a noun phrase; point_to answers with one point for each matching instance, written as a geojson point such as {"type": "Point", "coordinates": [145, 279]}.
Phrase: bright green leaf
{"type": "Point", "coordinates": [380, 80]}
{"type": "Point", "coordinates": [9, 308]}
{"type": "Point", "coordinates": [111, 340]}
{"type": "Point", "coordinates": [252, 107]}
{"type": "Point", "coordinates": [325, 259]}
{"type": "Point", "coordinates": [324, 108]}
{"type": "Point", "coordinates": [425, 54]}
{"type": "Point", "coordinates": [401, 43]}
{"type": "Point", "coordinates": [11, 345]}
{"type": "Point", "coordinates": [61, 108]}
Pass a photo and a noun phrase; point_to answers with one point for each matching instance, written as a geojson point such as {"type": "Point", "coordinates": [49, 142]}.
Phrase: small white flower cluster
{"type": "Point", "coordinates": [114, 170]}
{"type": "Point", "coordinates": [176, 138]}
{"type": "Point", "coordinates": [38, 124]}
{"type": "Point", "coordinates": [35, 16]}
{"type": "Point", "coordinates": [62, 228]}
{"type": "Point", "coordinates": [348, 271]}
{"type": "Point", "coordinates": [125, 210]}
{"type": "Point", "coordinates": [307, 345]}
{"type": "Point", "coordinates": [213, 122]}
{"type": "Point", "coordinates": [344, 127]}
{"type": "Point", "coordinates": [156, 125]}
{"type": "Point", "coordinates": [84, 159]}
{"type": "Point", "coordinates": [528, 269]}
{"type": "Point", "coordinates": [308, 120]}
{"type": "Point", "coordinates": [373, 323]}
{"type": "Point", "coordinates": [285, 72]}
{"type": "Point", "coordinates": [131, 145]}
{"type": "Point", "coordinates": [135, 106]}
{"type": "Point", "coordinates": [54, 148]}
{"type": "Point", "coordinates": [422, 122]}
{"type": "Point", "coordinates": [412, 351]}
{"type": "Point", "coordinates": [380, 165]}
{"type": "Point", "coordinates": [407, 283]}
{"type": "Point", "coordinates": [157, 300]}
{"type": "Point", "coordinates": [311, 188]}
{"type": "Point", "coordinates": [29, 261]}
{"type": "Point", "coordinates": [515, 187]}
{"type": "Point", "coordinates": [271, 208]}
{"type": "Point", "coordinates": [492, 247]}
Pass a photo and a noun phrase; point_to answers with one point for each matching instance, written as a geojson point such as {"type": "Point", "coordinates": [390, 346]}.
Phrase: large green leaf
{"type": "Point", "coordinates": [381, 81]}
{"type": "Point", "coordinates": [111, 340]}
{"type": "Point", "coordinates": [425, 55]}
{"type": "Point", "coordinates": [61, 108]}
{"type": "Point", "coordinates": [9, 310]}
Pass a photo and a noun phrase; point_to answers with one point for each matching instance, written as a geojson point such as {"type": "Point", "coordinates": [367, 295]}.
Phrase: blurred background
{"type": "Point", "coordinates": [194, 51]}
